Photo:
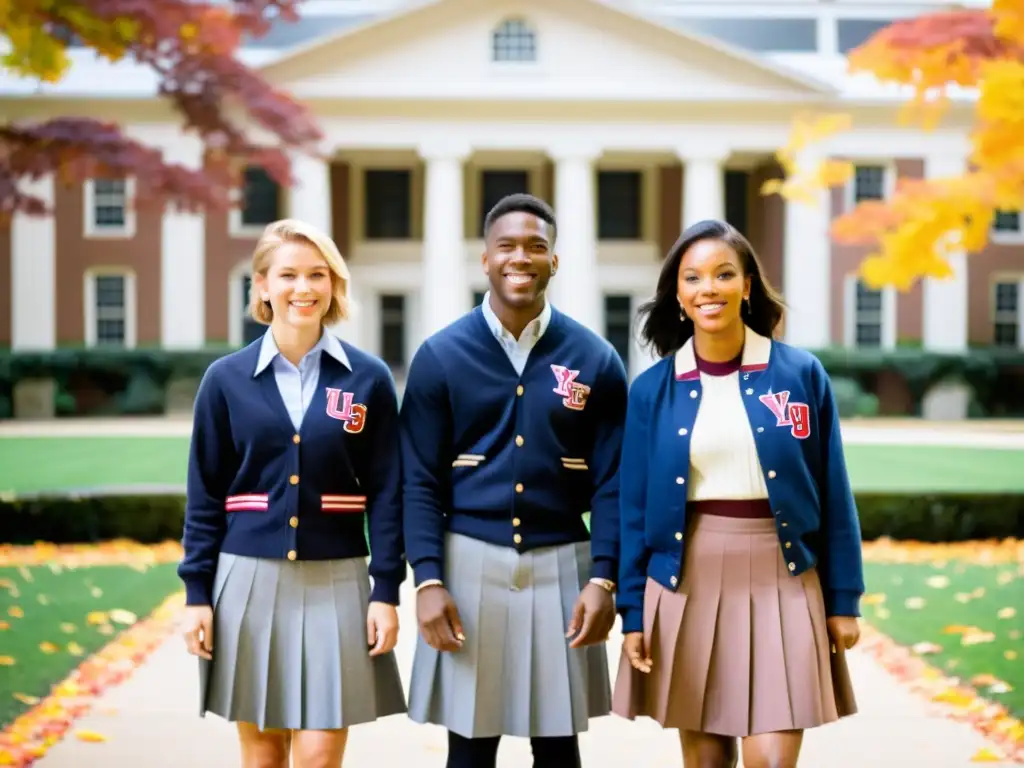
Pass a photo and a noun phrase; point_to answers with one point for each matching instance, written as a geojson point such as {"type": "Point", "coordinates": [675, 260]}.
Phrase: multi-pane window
{"type": "Point", "coordinates": [1006, 330]}
{"type": "Point", "coordinates": [737, 206]}
{"type": "Point", "coordinates": [618, 317]}
{"type": "Point", "coordinates": [388, 209]}
{"type": "Point", "coordinates": [111, 310]}
{"type": "Point", "coordinates": [261, 198]}
{"type": "Point", "coordinates": [392, 330]}
{"type": "Point", "coordinates": [495, 185]}
{"type": "Point", "coordinates": [868, 183]}
{"type": "Point", "coordinates": [619, 205]}
{"type": "Point", "coordinates": [109, 205]}
{"type": "Point", "coordinates": [513, 40]}
{"type": "Point", "coordinates": [1007, 223]}
{"type": "Point", "coordinates": [251, 330]}
{"type": "Point", "coordinates": [868, 316]}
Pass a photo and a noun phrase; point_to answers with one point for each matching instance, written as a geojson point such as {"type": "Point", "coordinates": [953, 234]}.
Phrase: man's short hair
{"type": "Point", "coordinates": [521, 203]}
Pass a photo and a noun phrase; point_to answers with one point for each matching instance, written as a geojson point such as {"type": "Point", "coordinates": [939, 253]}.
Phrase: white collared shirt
{"type": "Point", "coordinates": [297, 384]}
{"type": "Point", "coordinates": [518, 350]}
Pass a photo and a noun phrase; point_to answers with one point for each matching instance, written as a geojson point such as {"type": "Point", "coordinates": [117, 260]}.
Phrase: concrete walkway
{"type": "Point", "coordinates": [151, 721]}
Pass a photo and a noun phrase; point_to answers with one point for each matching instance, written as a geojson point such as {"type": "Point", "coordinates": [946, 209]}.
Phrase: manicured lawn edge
{"type": "Point", "coordinates": [33, 733]}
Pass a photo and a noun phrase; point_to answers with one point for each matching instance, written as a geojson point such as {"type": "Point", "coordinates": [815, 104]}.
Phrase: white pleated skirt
{"type": "Point", "coordinates": [515, 674]}
{"type": "Point", "coordinates": [289, 646]}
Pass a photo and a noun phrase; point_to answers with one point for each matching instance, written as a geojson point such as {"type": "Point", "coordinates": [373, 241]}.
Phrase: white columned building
{"type": "Point", "coordinates": [944, 324]}
{"type": "Point", "coordinates": [807, 269]}
{"type": "Point", "coordinates": [34, 273]}
{"type": "Point", "coordinates": [703, 184]}
{"type": "Point", "coordinates": [310, 197]}
{"type": "Point", "coordinates": [183, 258]}
{"type": "Point", "coordinates": [445, 293]}
{"type": "Point", "coordinates": [576, 287]}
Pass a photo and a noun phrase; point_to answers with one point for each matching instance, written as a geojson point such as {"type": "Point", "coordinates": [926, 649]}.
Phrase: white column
{"type": "Point", "coordinates": [575, 289]}
{"type": "Point", "coordinates": [703, 185]}
{"type": "Point", "coordinates": [945, 300]}
{"type": "Point", "coordinates": [34, 273]}
{"type": "Point", "coordinates": [309, 199]}
{"type": "Point", "coordinates": [183, 260]}
{"type": "Point", "coordinates": [807, 268]}
{"type": "Point", "coordinates": [445, 295]}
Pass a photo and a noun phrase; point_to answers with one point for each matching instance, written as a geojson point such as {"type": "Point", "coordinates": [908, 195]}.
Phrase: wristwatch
{"type": "Point", "coordinates": [606, 584]}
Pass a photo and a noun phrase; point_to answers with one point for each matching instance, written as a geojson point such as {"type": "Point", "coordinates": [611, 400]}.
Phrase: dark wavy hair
{"type": "Point", "coordinates": [662, 328]}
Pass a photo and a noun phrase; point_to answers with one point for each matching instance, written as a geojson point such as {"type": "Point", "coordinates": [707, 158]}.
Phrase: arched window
{"type": "Point", "coordinates": [513, 40]}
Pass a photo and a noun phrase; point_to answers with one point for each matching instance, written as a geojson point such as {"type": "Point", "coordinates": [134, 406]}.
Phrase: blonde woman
{"type": "Point", "coordinates": [294, 446]}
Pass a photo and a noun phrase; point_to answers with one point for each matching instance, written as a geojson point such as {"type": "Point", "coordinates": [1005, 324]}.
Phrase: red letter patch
{"type": "Point", "coordinates": [574, 395]}
{"type": "Point", "coordinates": [353, 414]}
{"type": "Point", "coordinates": [794, 415]}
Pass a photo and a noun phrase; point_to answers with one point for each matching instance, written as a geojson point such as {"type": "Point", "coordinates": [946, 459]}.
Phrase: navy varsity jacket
{"type": "Point", "coordinates": [795, 422]}
{"type": "Point", "coordinates": [257, 487]}
{"type": "Point", "coordinates": [508, 459]}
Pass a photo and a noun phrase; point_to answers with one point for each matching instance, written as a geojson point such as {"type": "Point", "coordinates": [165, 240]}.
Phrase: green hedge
{"type": "Point", "coordinates": [135, 381]}
{"type": "Point", "coordinates": [155, 518]}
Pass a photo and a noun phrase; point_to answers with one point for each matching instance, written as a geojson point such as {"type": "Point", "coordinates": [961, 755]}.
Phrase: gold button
{"type": "Point", "coordinates": [679, 536]}
{"type": "Point", "coordinates": [785, 524]}
{"type": "Point", "coordinates": [792, 566]}
{"type": "Point", "coordinates": [519, 487]}
{"type": "Point", "coordinates": [517, 539]}
{"type": "Point", "coordinates": [296, 439]}
{"type": "Point", "coordinates": [771, 474]}
{"type": "Point", "coordinates": [294, 522]}
{"type": "Point", "coordinates": [294, 479]}
{"type": "Point", "coordinates": [519, 390]}
{"type": "Point", "coordinates": [789, 544]}
{"type": "Point", "coordinates": [515, 522]}
{"type": "Point", "coordinates": [291, 554]}
{"type": "Point", "coordinates": [519, 440]}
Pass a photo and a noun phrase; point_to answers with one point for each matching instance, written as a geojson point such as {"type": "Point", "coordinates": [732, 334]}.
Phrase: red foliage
{"type": "Point", "coordinates": [191, 46]}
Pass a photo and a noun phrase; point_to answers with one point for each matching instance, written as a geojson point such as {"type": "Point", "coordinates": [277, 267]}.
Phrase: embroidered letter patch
{"type": "Point", "coordinates": [574, 395]}
{"type": "Point", "coordinates": [341, 407]}
{"type": "Point", "coordinates": [794, 415]}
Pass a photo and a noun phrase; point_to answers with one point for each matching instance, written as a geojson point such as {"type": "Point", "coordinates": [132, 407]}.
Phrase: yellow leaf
{"type": "Point", "coordinates": [983, 680]}
{"type": "Point", "coordinates": [954, 697]}
{"type": "Point", "coordinates": [96, 617]}
{"type": "Point", "coordinates": [15, 611]}
{"type": "Point", "coordinates": [962, 597]}
{"type": "Point", "coordinates": [26, 574]}
{"type": "Point", "coordinates": [47, 647]}
{"type": "Point", "coordinates": [75, 649]}
{"type": "Point", "coordinates": [1014, 634]}
{"type": "Point", "coordinates": [67, 627]}
{"type": "Point", "coordinates": [4, 625]}
{"type": "Point", "coordinates": [90, 736]}
{"type": "Point", "coordinates": [914, 603]}
{"type": "Point", "coordinates": [874, 598]}
{"type": "Point", "coordinates": [956, 629]}
{"type": "Point", "coordinates": [977, 637]}
{"type": "Point", "coordinates": [121, 616]}
{"type": "Point", "coordinates": [924, 648]}
{"type": "Point", "coordinates": [979, 592]}
{"type": "Point", "coordinates": [1004, 578]}
{"type": "Point", "coordinates": [986, 755]}
{"type": "Point", "coordinates": [105, 629]}
{"type": "Point", "coordinates": [96, 592]}
{"type": "Point", "coordinates": [937, 582]}
{"type": "Point", "coordinates": [24, 698]}
{"type": "Point", "coordinates": [1010, 654]}
{"type": "Point", "coordinates": [7, 661]}
{"type": "Point", "coordinates": [1007, 613]}
{"type": "Point", "coordinates": [43, 599]}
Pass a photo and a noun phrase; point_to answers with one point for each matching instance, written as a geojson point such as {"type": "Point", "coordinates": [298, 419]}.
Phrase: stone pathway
{"type": "Point", "coordinates": [151, 721]}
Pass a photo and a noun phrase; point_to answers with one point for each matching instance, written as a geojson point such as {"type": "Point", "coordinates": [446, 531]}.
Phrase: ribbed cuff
{"type": "Point", "coordinates": [428, 569]}
{"type": "Point", "coordinates": [604, 569]}
{"type": "Point", "coordinates": [385, 590]}
{"type": "Point", "coordinates": [198, 592]}
{"type": "Point", "coordinates": [632, 620]}
{"type": "Point", "coordinates": [842, 602]}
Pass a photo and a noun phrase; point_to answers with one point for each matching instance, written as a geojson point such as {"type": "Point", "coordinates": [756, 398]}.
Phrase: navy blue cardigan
{"type": "Point", "coordinates": [512, 460]}
{"type": "Point", "coordinates": [795, 422]}
{"type": "Point", "coordinates": [258, 488]}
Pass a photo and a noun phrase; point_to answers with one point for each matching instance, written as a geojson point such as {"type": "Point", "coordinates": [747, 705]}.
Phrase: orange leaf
{"type": "Point", "coordinates": [6, 661]}
{"type": "Point", "coordinates": [24, 698]}
{"type": "Point", "coordinates": [47, 647]}
{"type": "Point", "coordinates": [15, 611]}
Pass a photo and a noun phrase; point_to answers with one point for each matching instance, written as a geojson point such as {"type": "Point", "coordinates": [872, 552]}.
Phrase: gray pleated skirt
{"type": "Point", "coordinates": [515, 674]}
{"type": "Point", "coordinates": [289, 646]}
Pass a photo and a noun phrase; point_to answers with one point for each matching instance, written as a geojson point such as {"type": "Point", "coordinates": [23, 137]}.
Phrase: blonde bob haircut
{"type": "Point", "coordinates": [294, 231]}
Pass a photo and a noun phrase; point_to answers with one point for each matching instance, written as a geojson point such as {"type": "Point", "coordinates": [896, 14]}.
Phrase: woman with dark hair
{"type": "Point", "coordinates": [740, 574]}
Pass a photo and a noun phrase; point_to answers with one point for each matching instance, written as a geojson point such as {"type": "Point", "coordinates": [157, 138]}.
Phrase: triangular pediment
{"type": "Point", "coordinates": [586, 50]}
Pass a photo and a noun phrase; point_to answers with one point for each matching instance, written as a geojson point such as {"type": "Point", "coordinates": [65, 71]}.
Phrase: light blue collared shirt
{"type": "Point", "coordinates": [297, 384]}
{"type": "Point", "coordinates": [518, 350]}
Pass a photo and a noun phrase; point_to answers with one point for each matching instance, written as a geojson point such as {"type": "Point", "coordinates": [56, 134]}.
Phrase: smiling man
{"type": "Point", "coordinates": [511, 429]}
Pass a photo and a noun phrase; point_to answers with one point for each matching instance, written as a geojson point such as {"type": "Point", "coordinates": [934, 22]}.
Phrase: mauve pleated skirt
{"type": "Point", "coordinates": [289, 646]}
{"type": "Point", "coordinates": [515, 674]}
{"type": "Point", "coordinates": [741, 647]}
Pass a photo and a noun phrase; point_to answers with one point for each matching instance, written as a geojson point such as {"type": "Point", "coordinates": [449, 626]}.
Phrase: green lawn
{"type": "Point", "coordinates": [44, 463]}
{"type": "Point", "coordinates": [936, 603]}
{"type": "Point", "coordinates": [52, 606]}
